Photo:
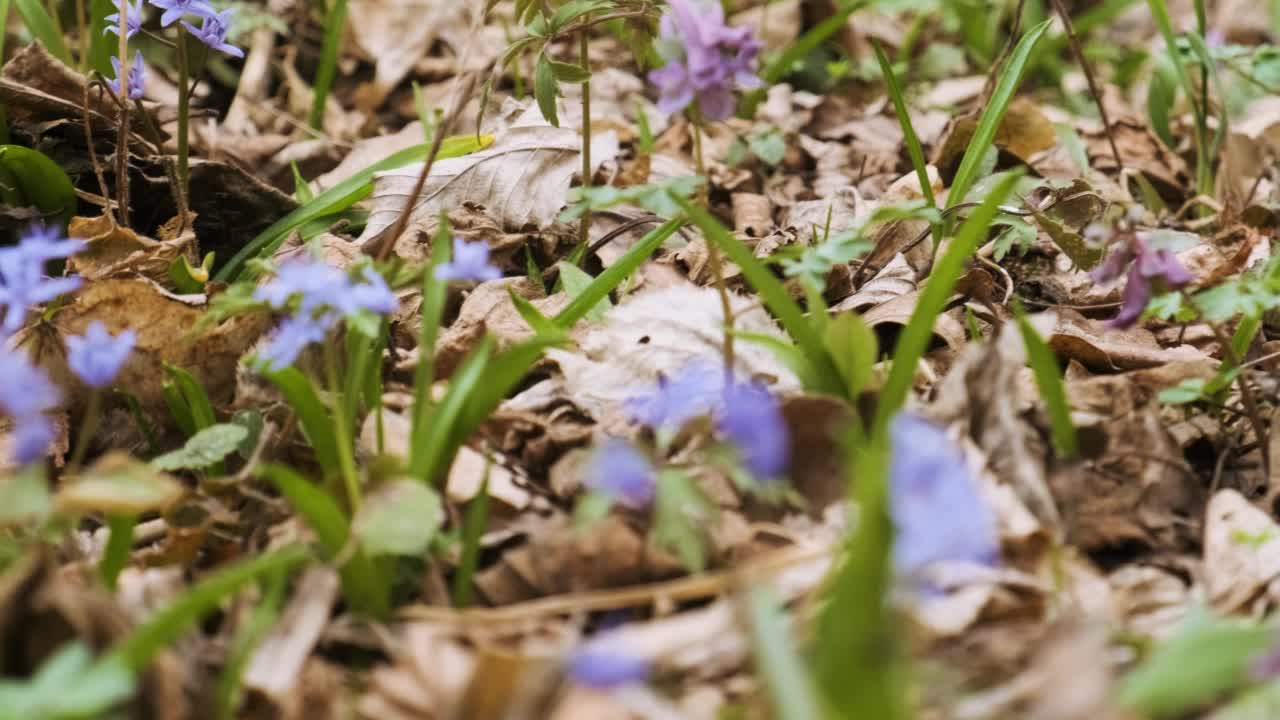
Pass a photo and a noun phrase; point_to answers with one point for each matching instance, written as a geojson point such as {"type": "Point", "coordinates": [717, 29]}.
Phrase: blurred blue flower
{"type": "Point", "coordinates": [705, 59]}
{"type": "Point", "coordinates": [96, 357]}
{"type": "Point", "coordinates": [291, 337]}
{"type": "Point", "coordinates": [137, 77]}
{"type": "Point", "coordinates": [175, 9]}
{"type": "Point", "coordinates": [26, 396]}
{"type": "Point", "coordinates": [213, 32]}
{"type": "Point", "coordinates": [470, 262]}
{"type": "Point", "coordinates": [315, 282]}
{"type": "Point", "coordinates": [622, 473]}
{"type": "Point", "coordinates": [597, 666]}
{"type": "Point", "coordinates": [751, 418]}
{"type": "Point", "coordinates": [938, 511]}
{"type": "Point", "coordinates": [692, 392]}
{"type": "Point", "coordinates": [373, 294]}
{"type": "Point", "coordinates": [133, 23]}
{"type": "Point", "coordinates": [1149, 270]}
{"type": "Point", "coordinates": [23, 282]}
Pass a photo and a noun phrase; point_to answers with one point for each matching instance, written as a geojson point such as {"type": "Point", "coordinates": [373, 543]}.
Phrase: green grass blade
{"type": "Point", "coordinates": [613, 276]}
{"type": "Point", "coordinates": [914, 149]}
{"type": "Point", "coordinates": [474, 522]}
{"type": "Point", "coordinates": [993, 115]}
{"type": "Point", "coordinates": [773, 293]}
{"type": "Point", "coordinates": [434, 292]}
{"type": "Point", "coordinates": [119, 545]}
{"type": "Point", "coordinates": [786, 61]}
{"type": "Point", "coordinates": [1052, 389]}
{"type": "Point", "coordinates": [102, 45]}
{"type": "Point", "coordinates": [340, 197]}
{"type": "Point", "coordinates": [933, 299]}
{"type": "Point", "coordinates": [44, 28]}
{"type": "Point", "coordinates": [140, 646]}
{"type": "Point", "coordinates": [791, 692]}
{"type": "Point", "coordinates": [335, 19]}
{"type": "Point", "coordinates": [197, 400]}
{"type": "Point", "coordinates": [312, 414]}
{"type": "Point", "coordinates": [433, 440]}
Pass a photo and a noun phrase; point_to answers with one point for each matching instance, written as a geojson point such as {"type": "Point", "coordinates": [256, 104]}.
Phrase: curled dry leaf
{"type": "Point", "coordinates": [113, 250]}
{"type": "Point", "coordinates": [1097, 346]}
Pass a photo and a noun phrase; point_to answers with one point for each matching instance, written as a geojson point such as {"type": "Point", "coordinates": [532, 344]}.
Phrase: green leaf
{"type": "Point", "coordinates": [573, 10]}
{"type": "Point", "coordinates": [993, 115]}
{"type": "Point", "coordinates": [541, 324]}
{"type": "Point", "coordinates": [613, 275]}
{"type": "Point", "coordinates": [474, 522]}
{"type": "Point", "coordinates": [914, 148]}
{"type": "Point", "coordinates": [914, 339]}
{"type": "Point", "coordinates": [341, 197]}
{"type": "Point", "coordinates": [1208, 656]}
{"type": "Point", "coordinates": [854, 348]}
{"type": "Point", "coordinates": [68, 684]}
{"type": "Point", "coordinates": [335, 20]}
{"type": "Point", "coordinates": [680, 514]}
{"type": "Point", "coordinates": [251, 420]}
{"type": "Point", "coordinates": [570, 73]}
{"type": "Point", "coordinates": [791, 691]}
{"type": "Point", "coordinates": [545, 89]}
{"type": "Point", "coordinates": [1044, 364]}
{"type": "Point", "coordinates": [44, 28]}
{"type": "Point", "coordinates": [770, 145]}
{"type": "Point", "coordinates": [312, 414]}
{"type": "Point", "coordinates": [190, 280]}
{"type": "Point", "coordinates": [576, 282]}
{"type": "Point", "coordinates": [1162, 93]}
{"type": "Point", "coordinates": [39, 181]}
{"type": "Point", "coordinates": [399, 518]}
{"type": "Point", "coordinates": [194, 395]}
{"type": "Point", "coordinates": [787, 353]}
{"type": "Point", "coordinates": [1262, 703]}
{"type": "Point", "coordinates": [203, 449]}
{"type": "Point", "coordinates": [654, 197]}
{"type": "Point", "coordinates": [431, 446]}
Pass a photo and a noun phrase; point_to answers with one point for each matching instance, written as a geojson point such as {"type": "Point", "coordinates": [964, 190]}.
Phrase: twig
{"type": "Point", "coordinates": [584, 226]}
{"type": "Point", "coordinates": [93, 155]}
{"type": "Point", "coordinates": [122, 138]}
{"type": "Point", "coordinates": [1074, 42]}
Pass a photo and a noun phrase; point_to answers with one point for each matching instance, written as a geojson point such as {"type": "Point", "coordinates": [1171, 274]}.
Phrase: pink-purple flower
{"type": "Point", "coordinates": [706, 59]}
{"type": "Point", "coordinates": [97, 356]}
{"type": "Point", "coordinates": [1150, 270]}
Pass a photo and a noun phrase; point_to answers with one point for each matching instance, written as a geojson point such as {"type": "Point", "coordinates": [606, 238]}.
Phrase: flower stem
{"type": "Point", "coordinates": [184, 116]}
{"type": "Point", "coordinates": [713, 252]}
{"type": "Point", "coordinates": [341, 431]}
{"type": "Point", "coordinates": [584, 226]}
{"type": "Point", "coordinates": [122, 138]}
{"type": "Point", "coordinates": [88, 425]}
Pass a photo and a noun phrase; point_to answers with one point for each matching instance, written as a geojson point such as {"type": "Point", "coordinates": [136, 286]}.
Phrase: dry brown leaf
{"type": "Point", "coordinates": [276, 669]}
{"type": "Point", "coordinates": [113, 250]}
{"type": "Point", "coordinates": [396, 35]}
{"type": "Point", "coordinates": [1241, 554]}
{"type": "Point", "coordinates": [1102, 348]}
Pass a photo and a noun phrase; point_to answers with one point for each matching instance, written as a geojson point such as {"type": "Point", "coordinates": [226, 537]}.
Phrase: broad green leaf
{"type": "Point", "coordinates": [570, 73]}
{"type": "Point", "coordinates": [613, 276]}
{"type": "Point", "coordinates": [545, 89]}
{"type": "Point", "coordinates": [654, 197]}
{"type": "Point", "coordinates": [205, 448]}
{"type": "Point", "coordinates": [573, 10]}
{"type": "Point", "coordinates": [576, 282]}
{"type": "Point", "coordinates": [854, 348]}
{"type": "Point", "coordinates": [39, 182]}
{"type": "Point", "coordinates": [399, 518]}
{"type": "Point", "coordinates": [187, 279]}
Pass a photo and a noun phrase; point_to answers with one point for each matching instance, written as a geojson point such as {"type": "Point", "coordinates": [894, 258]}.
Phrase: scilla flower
{"type": "Point", "coordinates": [97, 356]}
{"type": "Point", "coordinates": [24, 283]}
{"type": "Point", "coordinates": [1149, 270]}
{"type": "Point", "coordinates": [603, 665]}
{"type": "Point", "coordinates": [706, 60]}
{"type": "Point", "coordinates": [133, 22]}
{"type": "Point", "coordinates": [470, 262]}
{"type": "Point", "coordinates": [213, 32]}
{"type": "Point", "coordinates": [137, 77]}
{"type": "Point", "coordinates": [26, 396]}
{"type": "Point", "coordinates": [937, 509]}
{"type": "Point", "coordinates": [751, 418]}
{"type": "Point", "coordinates": [174, 10]}
{"type": "Point", "coordinates": [622, 474]}
{"type": "Point", "coordinates": [692, 392]}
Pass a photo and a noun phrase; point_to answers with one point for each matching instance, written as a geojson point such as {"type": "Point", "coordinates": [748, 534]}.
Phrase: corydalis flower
{"type": "Point", "coordinates": [133, 23]}
{"type": "Point", "coordinates": [137, 77]}
{"type": "Point", "coordinates": [601, 665]}
{"type": "Point", "coordinates": [622, 474]}
{"type": "Point", "coordinates": [97, 356]}
{"type": "Point", "coordinates": [174, 10]}
{"type": "Point", "coordinates": [751, 418]}
{"type": "Point", "coordinates": [1149, 270]}
{"type": "Point", "coordinates": [23, 281]}
{"type": "Point", "coordinates": [470, 262]}
{"type": "Point", "coordinates": [937, 509]}
{"type": "Point", "coordinates": [705, 59]}
{"type": "Point", "coordinates": [26, 396]}
{"type": "Point", "coordinates": [213, 32]}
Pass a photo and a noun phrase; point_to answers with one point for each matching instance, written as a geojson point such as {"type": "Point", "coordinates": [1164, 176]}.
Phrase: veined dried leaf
{"type": "Point", "coordinates": [119, 484]}
{"type": "Point", "coordinates": [522, 179]}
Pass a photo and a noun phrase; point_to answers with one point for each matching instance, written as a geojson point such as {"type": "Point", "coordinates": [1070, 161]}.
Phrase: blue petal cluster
{"type": "Point", "coordinates": [622, 473]}
{"type": "Point", "coordinates": [26, 397]}
{"type": "Point", "coordinates": [24, 284]}
{"type": "Point", "coordinates": [470, 262]}
{"type": "Point", "coordinates": [97, 356]}
{"type": "Point", "coordinates": [937, 509]}
{"type": "Point", "coordinates": [598, 666]}
{"type": "Point", "coordinates": [705, 59]}
{"type": "Point", "coordinates": [133, 23]}
{"type": "Point", "coordinates": [213, 32]}
{"type": "Point", "coordinates": [137, 77]}
{"type": "Point", "coordinates": [320, 295]}
{"type": "Point", "coordinates": [174, 10]}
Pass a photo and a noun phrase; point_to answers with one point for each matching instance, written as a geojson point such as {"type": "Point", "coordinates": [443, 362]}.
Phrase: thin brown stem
{"type": "Point", "coordinates": [584, 225]}
{"type": "Point", "coordinates": [713, 253]}
{"type": "Point", "coordinates": [1078, 51]}
{"type": "Point", "coordinates": [122, 138]}
{"type": "Point", "coordinates": [93, 155]}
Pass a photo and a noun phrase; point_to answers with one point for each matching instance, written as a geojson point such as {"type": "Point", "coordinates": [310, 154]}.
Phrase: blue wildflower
{"type": "Point", "coordinates": [317, 283]}
{"type": "Point", "coordinates": [705, 59]}
{"type": "Point", "coordinates": [621, 473]}
{"type": "Point", "coordinates": [291, 337]}
{"type": "Point", "coordinates": [97, 356]}
{"type": "Point", "coordinates": [751, 418]}
{"type": "Point", "coordinates": [213, 32]}
{"type": "Point", "coordinates": [470, 262]}
{"type": "Point", "coordinates": [23, 281]}
{"type": "Point", "coordinates": [692, 392]}
{"type": "Point", "coordinates": [133, 23]}
{"type": "Point", "coordinates": [174, 10]}
{"type": "Point", "coordinates": [597, 666]}
{"type": "Point", "coordinates": [26, 396]}
{"type": "Point", "coordinates": [373, 294]}
{"type": "Point", "coordinates": [137, 77]}
{"type": "Point", "coordinates": [937, 509]}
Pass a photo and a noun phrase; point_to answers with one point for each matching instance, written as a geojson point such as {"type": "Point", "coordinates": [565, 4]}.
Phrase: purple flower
{"type": "Point", "coordinates": [133, 23]}
{"type": "Point", "coordinates": [1150, 269]}
{"type": "Point", "coordinates": [213, 32]}
{"type": "Point", "coordinates": [175, 9]}
{"type": "Point", "coordinates": [372, 294]}
{"type": "Point", "coordinates": [316, 282]}
{"type": "Point", "coordinates": [690, 393]}
{"type": "Point", "coordinates": [751, 419]}
{"type": "Point", "coordinates": [26, 395]}
{"type": "Point", "coordinates": [937, 509]}
{"type": "Point", "coordinates": [97, 356]}
{"type": "Point", "coordinates": [137, 77]}
{"type": "Point", "coordinates": [470, 262]}
{"type": "Point", "coordinates": [291, 337]}
{"type": "Point", "coordinates": [597, 666]}
{"type": "Point", "coordinates": [620, 472]}
{"type": "Point", "coordinates": [23, 282]}
{"type": "Point", "coordinates": [705, 59]}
